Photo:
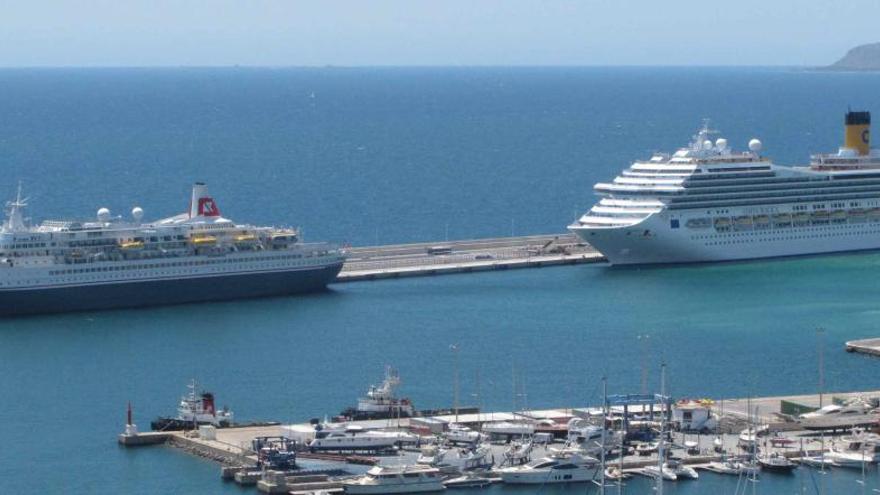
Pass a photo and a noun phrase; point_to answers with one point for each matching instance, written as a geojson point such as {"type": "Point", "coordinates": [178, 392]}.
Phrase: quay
{"type": "Point", "coordinates": [319, 473]}
{"type": "Point", "coordinates": [864, 346]}
{"type": "Point", "coordinates": [463, 256]}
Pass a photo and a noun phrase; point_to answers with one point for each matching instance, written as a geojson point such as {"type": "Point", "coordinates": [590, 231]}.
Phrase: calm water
{"type": "Point", "coordinates": [396, 155]}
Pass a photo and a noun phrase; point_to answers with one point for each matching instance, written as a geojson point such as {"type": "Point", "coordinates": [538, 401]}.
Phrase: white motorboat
{"type": "Point", "coordinates": [680, 469]}
{"type": "Point", "coordinates": [553, 469]}
{"type": "Point", "coordinates": [664, 472]}
{"type": "Point", "coordinates": [614, 473]}
{"type": "Point", "coordinates": [748, 438]}
{"type": "Point", "coordinates": [589, 437]}
{"type": "Point", "coordinates": [718, 444]}
{"type": "Point", "coordinates": [518, 453]}
{"type": "Point", "coordinates": [855, 413]}
{"type": "Point", "coordinates": [455, 458]}
{"type": "Point", "coordinates": [456, 433]}
{"type": "Point", "coordinates": [734, 466]}
{"type": "Point", "coordinates": [856, 450]}
{"type": "Point", "coordinates": [396, 479]}
{"type": "Point", "coordinates": [818, 461]}
{"type": "Point", "coordinates": [355, 438]}
{"type": "Point", "coordinates": [646, 448]}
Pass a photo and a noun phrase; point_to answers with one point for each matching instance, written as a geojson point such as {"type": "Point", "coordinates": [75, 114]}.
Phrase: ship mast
{"type": "Point", "coordinates": [15, 218]}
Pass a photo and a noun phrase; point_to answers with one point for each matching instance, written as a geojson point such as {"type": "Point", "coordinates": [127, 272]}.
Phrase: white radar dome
{"type": "Point", "coordinates": [755, 145]}
{"type": "Point", "coordinates": [721, 143]}
{"type": "Point", "coordinates": [707, 145]}
{"type": "Point", "coordinates": [103, 215]}
{"type": "Point", "coordinates": [137, 213]}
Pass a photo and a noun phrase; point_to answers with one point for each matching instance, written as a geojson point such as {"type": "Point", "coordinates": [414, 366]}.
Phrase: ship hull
{"type": "Point", "coordinates": [653, 241]}
{"type": "Point", "coordinates": [160, 292]}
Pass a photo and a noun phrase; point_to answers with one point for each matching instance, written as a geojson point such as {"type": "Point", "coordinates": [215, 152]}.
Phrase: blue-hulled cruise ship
{"type": "Point", "coordinates": [59, 266]}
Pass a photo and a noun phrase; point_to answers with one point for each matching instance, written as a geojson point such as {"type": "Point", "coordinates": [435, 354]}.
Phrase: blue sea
{"type": "Point", "coordinates": [367, 156]}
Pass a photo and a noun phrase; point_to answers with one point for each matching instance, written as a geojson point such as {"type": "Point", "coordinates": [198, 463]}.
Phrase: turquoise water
{"type": "Point", "coordinates": [394, 155]}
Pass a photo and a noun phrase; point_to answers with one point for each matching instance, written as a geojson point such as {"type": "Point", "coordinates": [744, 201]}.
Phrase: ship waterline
{"type": "Point", "coordinates": [198, 256]}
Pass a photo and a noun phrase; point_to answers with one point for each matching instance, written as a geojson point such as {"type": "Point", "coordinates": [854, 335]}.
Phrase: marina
{"type": "Point", "coordinates": [746, 437]}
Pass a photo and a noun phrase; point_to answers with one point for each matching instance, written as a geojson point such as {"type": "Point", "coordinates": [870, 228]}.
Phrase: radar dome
{"type": "Point", "coordinates": [137, 213]}
{"type": "Point", "coordinates": [707, 145]}
{"type": "Point", "coordinates": [721, 143]}
{"type": "Point", "coordinates": [103, 215]}
{"type": "Point", "coordinates": [755, 145]}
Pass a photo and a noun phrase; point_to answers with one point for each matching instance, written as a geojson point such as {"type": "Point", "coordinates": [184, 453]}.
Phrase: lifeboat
{"type": "Point", "coordinates": [131, 245]}
{"type": "Point", "coordinates": [874, 214]}
{"type": "Point", "coordinates": [838, 216]}
{"type": "Point", "coordinates": [782, 219]}
{"type": "Point", "coordinates": [698, 223]}
{"type": "Point", "coordinates": [800, 218]}
{"type": "Point", "coordinates": [819, 217]}
{"type": "Point", "coordinates": [722, 223]}
{"type": "Point", "coordinates": [762, 221]}
{"type": "Point", "coordinates": [245, 238]}
{"type": "Point", "coordinates": [203, 240]}
{"type": "Point", "coordinates": [856, 214]}
{"type": "Point", "coordinates": [744, 222]}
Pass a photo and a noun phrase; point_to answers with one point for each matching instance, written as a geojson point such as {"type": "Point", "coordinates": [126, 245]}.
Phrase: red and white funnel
{"type": "Point", "coordinates": [202, 205]}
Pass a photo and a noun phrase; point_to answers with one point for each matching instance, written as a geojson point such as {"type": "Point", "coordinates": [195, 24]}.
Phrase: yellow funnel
{"type": "Point", "coordinates": [858, 132]}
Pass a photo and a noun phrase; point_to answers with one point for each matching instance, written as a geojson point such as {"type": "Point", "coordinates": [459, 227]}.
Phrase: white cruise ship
{"type": "Point", "coordinates": [110, 262]}
{"type": "Point", "coordinates": [708, 203]}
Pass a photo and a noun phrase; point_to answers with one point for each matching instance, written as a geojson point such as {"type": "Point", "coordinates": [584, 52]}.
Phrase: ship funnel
{"type": "Point", "coordinates": [201, 204]}
{"type": "Point", "coordinates": [858, 132]}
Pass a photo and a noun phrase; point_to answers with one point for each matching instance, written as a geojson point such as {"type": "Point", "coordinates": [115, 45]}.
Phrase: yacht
{"type": "Point", "coordinates": [348, 438]}
{"type": "Point", "coordinates": [457, 433]}
{"type": "Point", "coordinates": [553, 469]}
{"type": "Point", "coordinates": [509, 429]}
{"type": "Point", "coordinates": [855, 451]}
{"type": "Point", "coordinates": [589, 437]}
{"type": "Point", "coordinates": [114, 262]}
{"type": "Point", "coordinates": [456, 458]}
{"type": "Point", "coordinates": [707, 202]}
{"type": "Point", "coordinates": [396, 479]}
{"type": "Point", "coordinates": [855, 413]}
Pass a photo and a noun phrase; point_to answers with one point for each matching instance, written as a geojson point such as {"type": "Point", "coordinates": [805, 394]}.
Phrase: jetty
{"type": "Point", "coordinates": [463, 256]}
{"type": "Point", "coordinates": [864, 346]}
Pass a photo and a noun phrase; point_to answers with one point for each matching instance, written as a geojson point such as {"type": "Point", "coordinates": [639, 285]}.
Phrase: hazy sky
{"type": "Point", "coordinates": [440, 32]}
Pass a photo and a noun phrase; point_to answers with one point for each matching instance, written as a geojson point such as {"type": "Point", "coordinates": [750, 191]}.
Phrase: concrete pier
{"type": "Point", "coordinates": [437, 258]}
{"type": "Point", "coordinates": [864, 346]}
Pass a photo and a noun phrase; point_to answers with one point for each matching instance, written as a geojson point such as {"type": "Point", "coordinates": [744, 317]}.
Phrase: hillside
{"type": "Point", "coordinates": [862, 57]}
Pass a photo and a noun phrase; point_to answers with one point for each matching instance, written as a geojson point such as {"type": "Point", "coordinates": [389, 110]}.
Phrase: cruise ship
{"type": "Point", "coordinates": [707, 203]}
{"type": "Point", "coordinates": [111, 262]}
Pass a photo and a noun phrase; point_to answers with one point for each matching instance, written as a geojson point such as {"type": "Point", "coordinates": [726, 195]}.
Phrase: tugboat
{"type": "Point", "coordinates": [194, 410]}
{"type": "Point", "coordinates": [380, 402]}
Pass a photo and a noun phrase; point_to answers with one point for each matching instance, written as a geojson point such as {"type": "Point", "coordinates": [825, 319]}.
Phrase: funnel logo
{"type": "Point", "coordinates": [866, 136]}
{"type": "Point", "coordinates": [208, 208]}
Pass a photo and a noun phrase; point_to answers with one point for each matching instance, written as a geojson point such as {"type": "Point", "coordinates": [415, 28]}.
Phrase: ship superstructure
{"type": "Point", "coordinates": [707, 202]}
{"type": "Point", "coordinates": [113, 262]}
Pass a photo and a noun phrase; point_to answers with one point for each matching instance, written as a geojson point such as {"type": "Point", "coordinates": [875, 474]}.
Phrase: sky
{"type": "Point", "coordinates": [439, 32]}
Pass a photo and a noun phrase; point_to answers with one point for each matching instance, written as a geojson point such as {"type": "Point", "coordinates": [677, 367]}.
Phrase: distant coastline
{"type": "Point", "coordinates": [861, 58]}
